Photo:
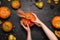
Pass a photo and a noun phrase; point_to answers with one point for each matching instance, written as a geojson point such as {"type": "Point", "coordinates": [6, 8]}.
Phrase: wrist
{"type": "Point", "coordinates": [28, 31]}
{"type": "Point", "coordinates": [41, 23]}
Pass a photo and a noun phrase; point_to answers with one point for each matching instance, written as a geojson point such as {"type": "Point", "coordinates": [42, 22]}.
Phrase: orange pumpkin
{"type": "Point", "coordinates": [15, 4]}
{"type": "Point", "coordinates": [25, 22]}
{"type": "Point", "coordinates": [29, 17]}
{"type": "Point", "coordinates": [56, 22]}
{"type": "Point", "coordinates": [4, 12]}
{"type": "Point", "coordinates": [7, 26]}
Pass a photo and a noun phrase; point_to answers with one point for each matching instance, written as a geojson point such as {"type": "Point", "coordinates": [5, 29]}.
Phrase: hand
{"type": "Point", "coordinates": [27, 28]}
{"type": "Point", "coordinates": [47, 31]}
{"type": "Point", "coordinates": [20, 13]}
{"type": "Point", "coordinates": [37, 22]}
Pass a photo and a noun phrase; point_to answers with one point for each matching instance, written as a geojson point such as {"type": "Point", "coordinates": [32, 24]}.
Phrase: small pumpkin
{"type": "Point", "coordinates": [15, 4]}
{"type": "Point", "coordinates": [4, 12]}
{"type": "Point", "coordinates": [56, 22]}
{"type": "Point", "coordinates": [7, 26]}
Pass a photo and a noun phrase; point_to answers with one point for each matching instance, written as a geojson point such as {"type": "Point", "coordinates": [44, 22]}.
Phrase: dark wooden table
{"type": "Point", "coordinates": [46, 14]}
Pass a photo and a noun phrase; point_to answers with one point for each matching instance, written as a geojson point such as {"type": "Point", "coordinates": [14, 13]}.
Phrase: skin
{"type": "Point", "coordinates": [47, 31]}
{"type": "Point", "coordinates": [28, 31]}
{"type": "Point", "coordinates": [40, 24]}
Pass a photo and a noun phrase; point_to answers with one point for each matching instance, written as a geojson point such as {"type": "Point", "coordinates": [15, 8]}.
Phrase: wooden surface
{"type": "Point", "coordinates": [46, 14]}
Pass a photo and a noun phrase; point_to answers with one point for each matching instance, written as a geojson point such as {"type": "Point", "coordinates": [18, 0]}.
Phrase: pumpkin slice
{"type": "Point", "coordinates": [57, 33]}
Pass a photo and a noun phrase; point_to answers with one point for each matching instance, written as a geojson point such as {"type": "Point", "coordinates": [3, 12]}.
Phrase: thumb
{"type": "Point", "coordinates": [33, 21]}
{"type": "Point", "coordinates": [28, 26]}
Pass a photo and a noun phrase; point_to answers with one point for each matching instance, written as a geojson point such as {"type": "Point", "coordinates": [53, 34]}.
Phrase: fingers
{"type": "Point", "coordinates": [33, 21]}
{"type": "Point", "coordinates": [28, 26]}
{"type": "Point", "coordinates": [21, 15]}
{"type": "Point", "coordinates": [34, 14]}
{"type": "Point", "coordinates": [23, 26]}
{"type": "Point", "coordinates": [21, 12]}
{"type": "Point", "coordinates": [38, 24]}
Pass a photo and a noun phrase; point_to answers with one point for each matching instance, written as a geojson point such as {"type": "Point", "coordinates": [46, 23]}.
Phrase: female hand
{"type": "Point", "coordinates": [28, 31]}
{"type": "Point", "coordinates": [21, 13]}
{"type": "Point", "coordinates": [37, 21]}
{"type": "Point", "coordinates": [27, 28]}
{"type": "Point", "coordinates": [47, 31]}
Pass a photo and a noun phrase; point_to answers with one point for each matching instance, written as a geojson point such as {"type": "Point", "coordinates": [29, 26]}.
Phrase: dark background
{"type": "Point", "coordinates": [46, 14]}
